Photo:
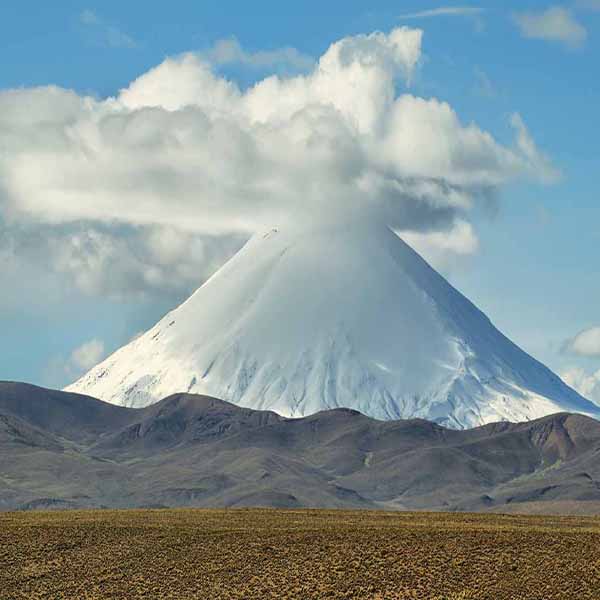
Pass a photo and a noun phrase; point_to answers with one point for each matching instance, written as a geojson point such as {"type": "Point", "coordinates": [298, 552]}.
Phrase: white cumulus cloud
{"type": "Point", "coordinates": [440, 248]}
{"type": "Point", "coordinates": [162, 182]}
{"type": "Point", "coordinates": [585, 343]}
{"type": "Point", "coordinates": [87, 355]}
{"type": "Point", "coordinates": [587, 384]}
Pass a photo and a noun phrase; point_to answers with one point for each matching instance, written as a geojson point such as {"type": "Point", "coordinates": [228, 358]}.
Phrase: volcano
{"type": "Point", "coordinates": [301, 321]}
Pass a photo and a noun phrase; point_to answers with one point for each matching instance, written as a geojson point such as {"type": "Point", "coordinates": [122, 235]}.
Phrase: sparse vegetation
{"type": "Point", "coordinates": [297, 554]}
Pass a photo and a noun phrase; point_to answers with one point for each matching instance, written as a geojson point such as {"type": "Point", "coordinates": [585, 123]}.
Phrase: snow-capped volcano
{"type": "Point", "coordinates": [305, 320]}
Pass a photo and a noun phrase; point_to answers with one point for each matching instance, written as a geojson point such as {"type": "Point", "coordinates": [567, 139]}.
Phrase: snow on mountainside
{"type": "Point", "coordinates": [300, 321]}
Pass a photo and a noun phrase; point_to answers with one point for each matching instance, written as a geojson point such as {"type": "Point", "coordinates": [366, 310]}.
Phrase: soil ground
{"type": "Point", "coordinates": [300, 554]}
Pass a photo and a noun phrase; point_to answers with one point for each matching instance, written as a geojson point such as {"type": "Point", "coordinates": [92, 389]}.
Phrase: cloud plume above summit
{"type": "Point", "coordinates": [186, 149]}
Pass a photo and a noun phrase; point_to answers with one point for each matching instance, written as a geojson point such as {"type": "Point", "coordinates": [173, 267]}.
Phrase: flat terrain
{"type": "Point", "coordinates": [302, 554]}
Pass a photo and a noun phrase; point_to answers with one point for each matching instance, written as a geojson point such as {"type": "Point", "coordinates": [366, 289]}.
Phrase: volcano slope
{"type": "Point", "coordinates": [302, 321]}
{"type": "Point", "coordinates": [61, 450]}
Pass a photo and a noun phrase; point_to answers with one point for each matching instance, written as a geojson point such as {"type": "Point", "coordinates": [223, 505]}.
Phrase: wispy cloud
{"type": "Point", "coordinates": [588, 4]}
{"type": "Point", "coordinates": [89, 17]}
{"type": "Point", "coordinates": [548, 173]}
{"type": "Point", "coordinates": [229, 51]}
{"type": "Point", "coordinates": [484, 86]}
{"type": "Point", "coordinates": [105, 33]}
{"type": "Point", "coordinates": [445, 11]}
{"type": "Point", "coordinates": [555, 24]}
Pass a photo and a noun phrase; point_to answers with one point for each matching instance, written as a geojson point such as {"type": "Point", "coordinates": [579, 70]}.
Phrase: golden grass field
{"type": "Point", "coordinates": [204, 554]}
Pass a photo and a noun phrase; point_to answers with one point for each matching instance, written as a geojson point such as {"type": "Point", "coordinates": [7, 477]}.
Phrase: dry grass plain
{"type": "Point", "coordinates": [301, 554]}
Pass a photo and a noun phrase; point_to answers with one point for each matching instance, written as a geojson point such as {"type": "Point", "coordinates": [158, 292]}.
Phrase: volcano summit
{"type": "Point", "coordinates": [345, 316]}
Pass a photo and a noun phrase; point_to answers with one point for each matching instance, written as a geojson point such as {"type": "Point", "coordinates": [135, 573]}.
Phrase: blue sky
{"type": "Point", "coordinates": [535, 272]}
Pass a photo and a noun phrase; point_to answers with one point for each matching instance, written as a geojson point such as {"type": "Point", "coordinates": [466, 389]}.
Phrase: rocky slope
{"type": "Point", "coordinates": [61, 450]}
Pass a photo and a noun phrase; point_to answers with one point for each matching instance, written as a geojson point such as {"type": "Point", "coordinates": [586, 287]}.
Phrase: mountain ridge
{"type": "Point", "coordinates": [189, 450]}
